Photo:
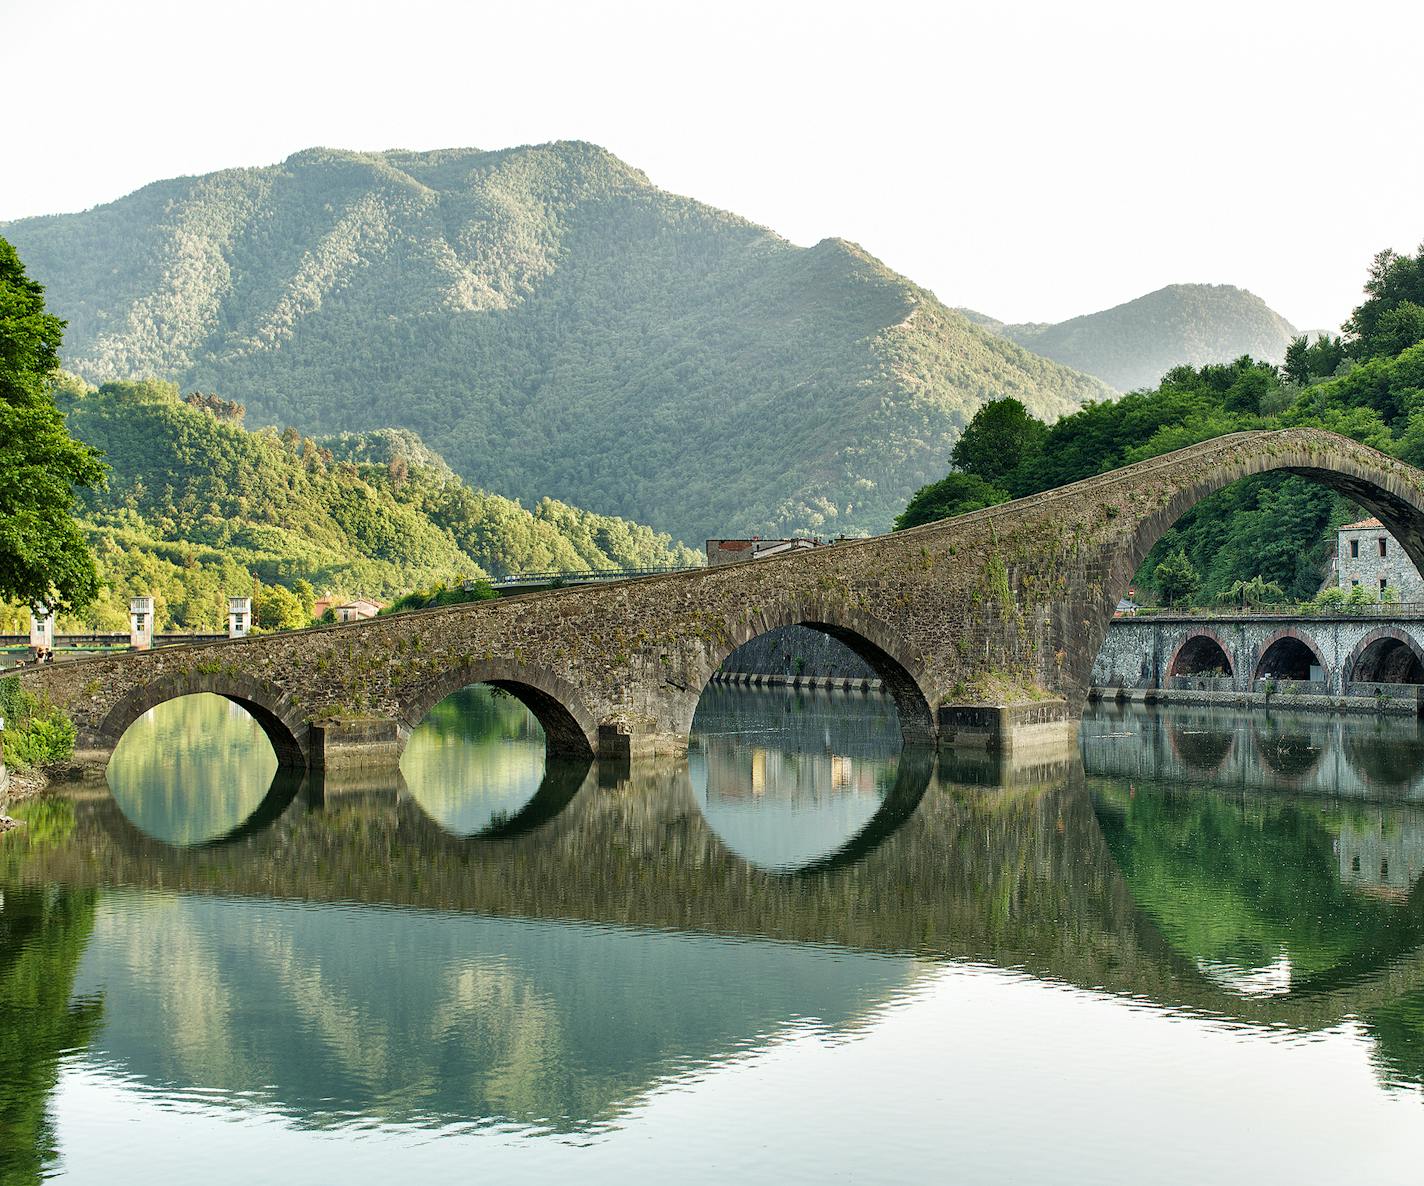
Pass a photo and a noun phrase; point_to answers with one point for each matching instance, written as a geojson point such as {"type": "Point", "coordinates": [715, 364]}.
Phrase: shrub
{"type": "Point", "coordinates": [37, 733]}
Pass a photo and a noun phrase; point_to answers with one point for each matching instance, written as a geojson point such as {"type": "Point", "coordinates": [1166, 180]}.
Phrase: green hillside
{"type": "Point", "coordinates": [548, 321]}
{"type": "Point", "coordinates": [1133, 345]}
{"type": "Point", "coordinates": [196, 506]}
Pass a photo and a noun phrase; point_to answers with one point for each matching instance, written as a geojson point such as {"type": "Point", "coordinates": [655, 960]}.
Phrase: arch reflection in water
{"type": "Point", "coordinates": [793, 779]}
{"type": "Point", "coordinates": [476, 764]}
{"type": "Point", "coordinates": [195, 770]}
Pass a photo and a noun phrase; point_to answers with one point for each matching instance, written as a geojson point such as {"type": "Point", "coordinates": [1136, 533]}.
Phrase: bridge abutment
{"type": "Point", "coordinates": [1046, 726]}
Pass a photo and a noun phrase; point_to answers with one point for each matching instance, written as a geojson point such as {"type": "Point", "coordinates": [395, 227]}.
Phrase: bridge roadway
{"type": "Point", "coordinates": [984, 628]}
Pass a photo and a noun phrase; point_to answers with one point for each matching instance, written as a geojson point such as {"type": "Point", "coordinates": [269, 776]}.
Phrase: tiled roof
{"type": "Point", "coordinates": [1362, 525]}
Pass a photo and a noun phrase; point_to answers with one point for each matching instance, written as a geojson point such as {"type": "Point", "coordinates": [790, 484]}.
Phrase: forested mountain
{"type": "Point", "coordinates": [550, 323]}
{"type": "Point", "coordinates": [1133, 345]}
{"type": "Point", "coordinates": [196, 505]}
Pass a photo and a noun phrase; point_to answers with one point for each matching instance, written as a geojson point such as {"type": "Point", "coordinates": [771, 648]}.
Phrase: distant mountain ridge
{"type": "Point", "coordinates": [550, 323]}
{"type": "Point", "coordinates": [1134, 344]}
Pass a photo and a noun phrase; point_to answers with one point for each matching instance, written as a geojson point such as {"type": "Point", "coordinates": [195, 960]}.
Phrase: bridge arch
{"type": "Point", "coordinates": [280, 719]}
{"type": "Point", "coordinates": [570, 729]}
{"type": "Point", "coordinates": [1386, 655]}
{"type": "Point", "coordinates": [1287, 653]}
{"type": "Point", "coordinates": [864, 635]}
{"type": "Point", "coordinates": [1201, 651]}
{"type": "Point", "coordinates": [1158, 492]}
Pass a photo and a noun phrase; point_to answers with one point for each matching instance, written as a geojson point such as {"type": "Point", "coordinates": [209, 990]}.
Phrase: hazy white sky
{"type": "Point", "coordinates": [1032, 160]}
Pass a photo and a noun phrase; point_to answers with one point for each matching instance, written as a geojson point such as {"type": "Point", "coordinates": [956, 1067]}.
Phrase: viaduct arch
{"type": "Point", "coordinates": [985, 627]}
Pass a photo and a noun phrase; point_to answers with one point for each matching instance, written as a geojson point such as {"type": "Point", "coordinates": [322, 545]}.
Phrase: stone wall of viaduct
{"type": "Point", "coordinates": [984, 626]}
{"type": "Point", "coordinates": [1147, 653]}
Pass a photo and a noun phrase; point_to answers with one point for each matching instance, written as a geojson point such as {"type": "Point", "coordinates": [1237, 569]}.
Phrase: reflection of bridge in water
{"type": "Point", "coordinates": [1017, 875]}
{"type": "Point", "coordinates": [1351, 757]}
{"type": "Point", "coordinates": [1044, 870]}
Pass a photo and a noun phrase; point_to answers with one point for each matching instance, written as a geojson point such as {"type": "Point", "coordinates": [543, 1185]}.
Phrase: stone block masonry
{"type": "Point", "coordinates": [1004, 608]}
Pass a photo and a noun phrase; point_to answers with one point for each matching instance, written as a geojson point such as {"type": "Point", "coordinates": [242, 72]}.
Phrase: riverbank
{"type": "Point", "coordinates": [1280, 699]}
{"type": "Point", "coordinates": [16, 786]}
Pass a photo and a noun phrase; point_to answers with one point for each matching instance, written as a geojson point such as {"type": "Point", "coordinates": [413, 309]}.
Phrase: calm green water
{"type": "Point", "coordinates": [1193, 952]}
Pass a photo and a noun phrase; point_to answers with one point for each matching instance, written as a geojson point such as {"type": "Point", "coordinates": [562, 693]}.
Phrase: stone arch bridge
{"type": "Point", "coordinates": [1377, 658]}
{"type": "Point", "coordinates": [984, 628]}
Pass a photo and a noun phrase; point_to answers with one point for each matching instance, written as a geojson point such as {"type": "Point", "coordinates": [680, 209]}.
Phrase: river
{"type": "Point", "coordinates": [1192, 952]}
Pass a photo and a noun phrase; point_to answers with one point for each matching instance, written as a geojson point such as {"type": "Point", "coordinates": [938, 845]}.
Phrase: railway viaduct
{"type": "Point", "coordinates": [984, 628]}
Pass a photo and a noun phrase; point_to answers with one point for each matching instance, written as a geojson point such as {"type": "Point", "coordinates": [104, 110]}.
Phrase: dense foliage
{"type": "Point", "coordinates": [36, 732]}
{"type": "Point", "coordinates": [551, 323]}
{"type": "Point", "coordinates": [1391, 317]}
{"type": "Point", "coordinates": [198, 508]}
{"type": "Point", "coordinates": [1269, 532]}
{"type": "Point", "coordinates": [1134, 344]}
{"type": "Point", "coordinates": [954, 494]}
{"type": "Point", "coordinates": [43, 558]}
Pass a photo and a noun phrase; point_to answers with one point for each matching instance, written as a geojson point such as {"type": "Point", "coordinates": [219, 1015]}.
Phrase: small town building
{"type": "Point", "coordinates": [140, 623]}
{"type": "Point", "coordinates": [1367, 555]}
{"type": "Point", "coordinates": [357, 609]}
{"type": "Point", "coordinates": [734, 551]}
{"type": "Point", "coordinates": [42, 631]}
{"type": "Point", "coordinates": [239, 616]}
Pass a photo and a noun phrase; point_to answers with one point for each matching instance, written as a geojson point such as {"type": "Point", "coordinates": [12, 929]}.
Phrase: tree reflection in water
{"type": "Point", "coordinates": [556, 974]}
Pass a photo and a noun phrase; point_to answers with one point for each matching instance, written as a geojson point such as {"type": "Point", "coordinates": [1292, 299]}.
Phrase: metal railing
{"type": "Point", "coordinates": [1295, 609]}
{"type": "Point", "coordinates": [96, 639]}
{"type": "Point", "coordinates": [587, 577]}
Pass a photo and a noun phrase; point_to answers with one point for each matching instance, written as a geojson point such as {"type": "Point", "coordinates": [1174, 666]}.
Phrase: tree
{"type": "Point", "coordinates": [276, 608]}
{"type": "Point", "coordinates": [1176, 578]}
{"type": "Point", "coordinates": [1308, 361]}
{"type": "Point", "coordinates": [44, 559]}
{"type": "Point", "coordinates": [1000, 438]}
{"type": "Point", "coordinates": [1398, 329]}
{"type": "Point", "coordinates": [1395, 281]}
{"type": "Point", "coordinates": [957, 494]}
{"type": "Point", "coordinates": [1256, 591]}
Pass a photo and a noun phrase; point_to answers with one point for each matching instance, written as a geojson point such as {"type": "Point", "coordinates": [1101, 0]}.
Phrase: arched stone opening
{"type": "Point", "coordinates": [872, 648]}
{"type": "Point", "coordinates": [199, 769]}
{"type": "Point", "coordinates": [1381, 485]}
{"type": "Point", "coordinates": [279, 720]}
{"type": "Point", "coordinates": [1201, 654]}
{"type": "Point", "coordinates": [1386, 656]}
{"type": "Point", "coordinates": [570, 730]}
{"type": "Point", "coordinates": [1289, 656]}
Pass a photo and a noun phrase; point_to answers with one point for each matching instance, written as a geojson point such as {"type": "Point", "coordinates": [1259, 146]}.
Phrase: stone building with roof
{"type": "Point", "coordinates": [1366, 554]}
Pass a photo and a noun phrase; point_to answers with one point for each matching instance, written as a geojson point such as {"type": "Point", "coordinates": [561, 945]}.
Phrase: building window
{"type": "Point", "coordinates": [1384, 583]}
{"type": "Point", "coordinates": [1354, 549]}
{"type": "Point", "coordinates": [1384, 546]}
{"type": "Point", "coordinates": [1354, 582]}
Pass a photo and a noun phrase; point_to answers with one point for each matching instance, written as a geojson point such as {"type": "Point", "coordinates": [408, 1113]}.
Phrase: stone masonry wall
{"type": "Point", "coordinates": [1003, 607]}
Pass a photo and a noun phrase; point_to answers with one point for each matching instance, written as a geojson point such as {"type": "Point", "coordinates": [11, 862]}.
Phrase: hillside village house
{"type": "Point", "coordinates": [348, 611]}
{"type": "Point", "coordinates": [1366, 554]}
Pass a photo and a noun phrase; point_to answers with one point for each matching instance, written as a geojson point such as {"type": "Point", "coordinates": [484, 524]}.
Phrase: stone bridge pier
{"type": "Point", "coordinates": [984, 628]}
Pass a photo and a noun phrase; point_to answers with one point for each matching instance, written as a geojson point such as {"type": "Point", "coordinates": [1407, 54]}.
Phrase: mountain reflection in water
{"type": "Point", "coordinates": [487, 942]}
